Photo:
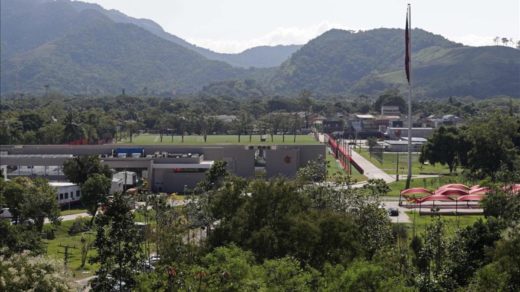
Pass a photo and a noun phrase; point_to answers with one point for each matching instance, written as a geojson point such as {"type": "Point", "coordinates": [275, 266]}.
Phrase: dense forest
{"type": "Point", "coordinates": [56, 118]}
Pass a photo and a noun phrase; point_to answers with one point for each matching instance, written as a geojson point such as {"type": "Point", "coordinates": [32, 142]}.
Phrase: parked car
{"type": "Point", "coordinates": [393, 212]}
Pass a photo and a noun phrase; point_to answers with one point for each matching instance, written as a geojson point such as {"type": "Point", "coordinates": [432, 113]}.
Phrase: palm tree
{"type": "Point", "coordinates": [72, 130]}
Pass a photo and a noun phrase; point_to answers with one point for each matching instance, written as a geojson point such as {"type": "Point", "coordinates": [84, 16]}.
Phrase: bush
{"type": "Point", "coordinates": [79, 225]}
{"type": "Point", "coordinates": [49, 232]}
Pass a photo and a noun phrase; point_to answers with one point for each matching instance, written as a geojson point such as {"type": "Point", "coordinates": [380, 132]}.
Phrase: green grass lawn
{"type": "Point", "coordinates": [389, 164]}
{"type": "Point", "coordinates": [55, 249]}
{"type": "Point", "coordinates": [72, 211]}
{"type": "Point", "coordinates": [333, 167]}
{"type": "Point", "coordinates": [144, 139]}
{"type": "Point", "coordinates": [428, 183]}
{"type": "Point", "coordinates": [451, 223]}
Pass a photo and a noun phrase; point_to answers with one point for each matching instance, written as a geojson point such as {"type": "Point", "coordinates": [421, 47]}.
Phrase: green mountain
{"type": "Point", "coordinates": [258, 57]}
{"type": "Point", "coordinates": [344, 62]}
{"type": "Point", "coordinates": [81, 48]}
{"type": "Point", "coordinates": [86, 52]}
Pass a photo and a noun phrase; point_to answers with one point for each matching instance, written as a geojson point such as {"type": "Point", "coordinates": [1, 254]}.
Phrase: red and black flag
{"type": "Point", "coordinates": [408, 44]}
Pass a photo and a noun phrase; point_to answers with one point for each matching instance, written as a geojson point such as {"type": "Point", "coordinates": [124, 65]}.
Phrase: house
{"type": "Point", "coordinates": [390, 110]}
{"type": "Point", "coordinates": [66, 192]}
{"type": "Point", "coordinates": [362, 126]}
{"type": "Point", "coordinates": [398, 133]}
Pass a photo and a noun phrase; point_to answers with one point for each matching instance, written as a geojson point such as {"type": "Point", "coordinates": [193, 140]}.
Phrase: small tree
{"type": "Point", "coordinates": [80, 168]}
{"type": "Point", "coordinates": [118, 244]}
{"type": "Point", "coordinates": [94, 192]}
{"type": "Point", "coordinates": [314, 171]}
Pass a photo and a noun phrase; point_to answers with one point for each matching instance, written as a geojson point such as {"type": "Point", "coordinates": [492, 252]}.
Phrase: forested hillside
{"type": "Point", "coordinates": [82, 49]}
{"type": "Point", "coordinates": [340, 62]}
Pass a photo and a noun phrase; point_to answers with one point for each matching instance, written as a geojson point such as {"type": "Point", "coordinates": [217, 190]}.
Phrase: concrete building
{"type": "Point", "coordinates": [398, 133]}
{"type": "Point", "coordinates": [390, 110]}
{"type": "Point", "coordinates": [66, 192]}
{"type": "Point", "coordinates": [168, 168]}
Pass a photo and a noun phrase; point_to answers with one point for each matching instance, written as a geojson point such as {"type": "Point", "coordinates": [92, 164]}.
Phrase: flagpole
{"type": "Point", "coordinates": [409, 177]}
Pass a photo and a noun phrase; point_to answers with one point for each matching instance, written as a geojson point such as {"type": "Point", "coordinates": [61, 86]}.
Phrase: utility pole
{"type": "Point", "coordinates": [66, 254]}
{"type": "Point", "coordinates": [397, 168]}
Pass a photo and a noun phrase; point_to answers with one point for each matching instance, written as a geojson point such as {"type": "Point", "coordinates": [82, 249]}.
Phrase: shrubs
{"type": "Point", "coordinates": [49, 232]}
{"type": "Point", "coordinates": [79, 225]}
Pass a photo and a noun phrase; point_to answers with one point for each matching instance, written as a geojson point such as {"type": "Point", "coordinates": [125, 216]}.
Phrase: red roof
{"type": "Point", "coordinates": [470, 198]}
{"type": "Point", "coordinates": [415, 191]}
{"type": "Point", "coordinates": [435, 197]}
{"type": "Point", "coordinates": [451, 192]}
{"type": "Point", "coordinates": [455, 186]}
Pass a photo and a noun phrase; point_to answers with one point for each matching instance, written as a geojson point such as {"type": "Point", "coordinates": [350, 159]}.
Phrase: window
{"type": "Point", "coordinates": [77, 194]}
{"type": "Point", "coordinates": [71, 195]}
{"type": "Point", "coordinates": [61, 196]}
{"type": "Point", "coordinates": [66, 195]}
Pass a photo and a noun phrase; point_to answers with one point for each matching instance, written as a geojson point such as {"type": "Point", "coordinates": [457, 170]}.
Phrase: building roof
{"type": "Point", "coordinates": [415, 139]}
{"type": "Point", "coordinates": [367, 116]}
{"type": "Point", "coordinates": [61, 184]}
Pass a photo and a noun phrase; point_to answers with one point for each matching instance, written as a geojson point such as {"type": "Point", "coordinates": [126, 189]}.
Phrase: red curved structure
{"type": "Point", "coordinates": [479, 191]}
{"type": "Point", "coordinates": [416, 191]}
{"type": "Point", "coordinates": [451, 192]}
{"type": "Point", "coordinates": [455, 186]}
{"type": "Point", "coordinates": [470, 198]}
{"type": "Point", "coordinates": [435, 197]}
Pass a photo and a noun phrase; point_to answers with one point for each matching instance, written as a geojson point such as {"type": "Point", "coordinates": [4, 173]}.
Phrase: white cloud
{"type": "Point", "coordinates": [473, 40]}
{"type": "Point", "coordinates": [279, 36]}
{"type": "Point", "coordinates": [301, 35]}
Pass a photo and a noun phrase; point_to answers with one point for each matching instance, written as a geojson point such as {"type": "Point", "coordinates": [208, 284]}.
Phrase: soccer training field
{"type": "Point", "coordinates": [148, 139]}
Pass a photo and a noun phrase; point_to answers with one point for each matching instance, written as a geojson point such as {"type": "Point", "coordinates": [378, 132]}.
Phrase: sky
{"type": "Point", "coordinates": [231, 26]}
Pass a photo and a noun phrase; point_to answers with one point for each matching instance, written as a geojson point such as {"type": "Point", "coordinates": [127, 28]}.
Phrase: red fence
{"type": "Point", "coordinates": [342, 155]}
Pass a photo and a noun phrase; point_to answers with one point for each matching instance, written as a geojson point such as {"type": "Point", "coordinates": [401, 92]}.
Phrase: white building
{"type": "Point", "coordinates": [66, 192]}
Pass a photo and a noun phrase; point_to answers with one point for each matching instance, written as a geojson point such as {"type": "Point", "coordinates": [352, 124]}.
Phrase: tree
{"type": "Point", "coordinates": [25, 272]}
{"type": "Point", "coordinates": [446, 146]}
{"type": "Point", "coordinates": [435, 254]}
{"type": "Point", "coordinates": [94, 192]}
{"type": "Point", "coordinates": [390, 97]}
{"type": "Point", "coordinates": [306, 104]}
{"type": "Point", "coordinates": [505, 41]}
{"type": "Point", "coordinates": [214, 176]}
{"type": "Point", "coordinates": [31, 201]}
{"type": "Point", "coordinates": [80, 168]}
{"type": "Point", "coordinates": [469, 249]}
{"type": "Point", "coordinates": [314, 171]}
{"type": "Point", "coordinates": [296, 125]}
{"type": "Point", "coordinates": [72, 131]}
{"type": "Point", "coordinates": [31, 121]}
{"type": "Point", "coordinates": [51, 133]}
{"type": "Point", "coordinates": [241, 124]}
{"type": "Point", "coordinates": [131, 126]}
{"type": "Point", "coordinates": [361, 276]}
{"type": "Point", "coordinates": [496, 40]}
{"type": "Point", "coordinates": [118, 247]}
{"type": "Point", "coordinates": [495, 144]}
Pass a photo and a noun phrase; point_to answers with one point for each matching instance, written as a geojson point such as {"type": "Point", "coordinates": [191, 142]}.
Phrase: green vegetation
{"type": "Point", "coordinates": [452, 223]}
{"type": "Point", "coordinates": [431, 183]}
{"type": "Point", "coordinates": [334, 167]}
{"type": "Point", "coordinates": [63, 48]}
{"type": "Point", "coordinates": [72, 211]}
{"type": "Point", "coordinates": [389, 164]}
{"type": "Point", "coordinates": [55, 249]}
{"type": "Point", "coordinates": [146, 139]}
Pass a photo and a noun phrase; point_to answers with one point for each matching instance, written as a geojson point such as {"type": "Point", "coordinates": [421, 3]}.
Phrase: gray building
{"type": "Point", "coordinates": [168, 168]}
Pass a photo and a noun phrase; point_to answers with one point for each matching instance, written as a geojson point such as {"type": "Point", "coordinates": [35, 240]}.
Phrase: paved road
{"type": "Point", "coordinates": [69, 217]}
{"type": "Point", "coordinates": [403, 217]}
{"type": "Point", "coordinates": [370, 170]}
